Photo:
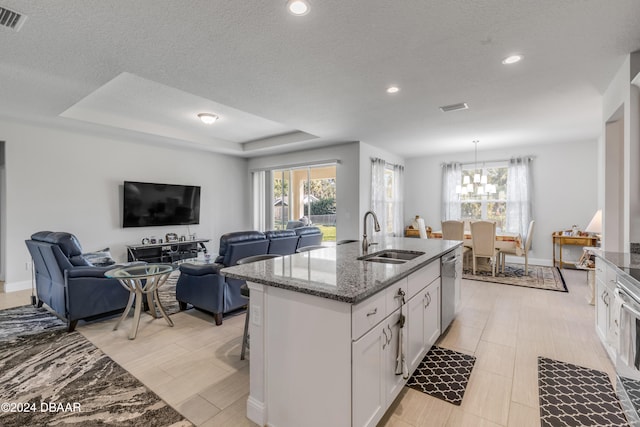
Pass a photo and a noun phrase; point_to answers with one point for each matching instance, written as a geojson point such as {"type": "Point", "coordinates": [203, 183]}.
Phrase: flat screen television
{"type": "Point", "coordinates": [147, 204]}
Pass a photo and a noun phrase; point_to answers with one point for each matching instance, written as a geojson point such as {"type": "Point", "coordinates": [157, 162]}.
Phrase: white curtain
{"type": "Point", "coordinates": [378, 190]}
{"type": "Point", "coordinates": [398, 202]}
{"type": "Point", "coordinates": [259, 200]}
{"type": "Point", "coordinates": [519, 196]}
{"type": "Point", "coordinates": [451, 177]}
{"type": "Point", "coordinates": [389, 208]}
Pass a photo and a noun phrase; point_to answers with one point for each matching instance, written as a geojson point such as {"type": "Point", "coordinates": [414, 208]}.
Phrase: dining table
{"type": "Point", "coordinates": [505, 241]}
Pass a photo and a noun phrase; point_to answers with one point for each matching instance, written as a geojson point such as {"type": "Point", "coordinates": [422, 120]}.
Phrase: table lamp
{"type": "Point", "coordinates": [595, 226]}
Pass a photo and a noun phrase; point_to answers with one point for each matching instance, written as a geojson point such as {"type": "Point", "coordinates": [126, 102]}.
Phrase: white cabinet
{"type": "Point", "coordinates": [423, 321]}
{"type": "Point", "coordinates": [375, 384]}
{"type": "Point", "coordinates": [369, 388]}
{"type": "Point", "coordinates": [605, 286]}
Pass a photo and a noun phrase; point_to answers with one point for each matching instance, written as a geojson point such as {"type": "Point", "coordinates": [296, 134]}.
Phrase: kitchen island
{"type": "Point", "coordinates": [328, 346]}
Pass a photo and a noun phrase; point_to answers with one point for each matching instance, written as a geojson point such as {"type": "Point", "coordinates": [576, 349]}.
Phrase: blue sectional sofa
{"type": "Point", "coordinates": [205, 288]}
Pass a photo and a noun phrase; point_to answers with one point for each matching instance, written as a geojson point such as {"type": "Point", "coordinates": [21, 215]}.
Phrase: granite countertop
{"type": "Point", "coordinates": [336, 273]}
{"type": "Point", "coordinates": [628, 264]}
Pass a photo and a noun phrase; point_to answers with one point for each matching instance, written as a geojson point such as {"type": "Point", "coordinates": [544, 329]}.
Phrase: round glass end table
{"type": "Point", "coordinates": [141, 280]}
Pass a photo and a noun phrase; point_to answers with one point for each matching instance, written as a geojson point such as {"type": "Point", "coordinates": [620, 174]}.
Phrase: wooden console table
{"type": "Point", "coordinates": [560, 240]}
{"type": "Point", "coordinates": [414, 232]}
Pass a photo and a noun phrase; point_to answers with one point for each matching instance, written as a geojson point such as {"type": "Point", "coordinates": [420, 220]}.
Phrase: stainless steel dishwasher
{"type": "Point", "coordinates": [450, 274]}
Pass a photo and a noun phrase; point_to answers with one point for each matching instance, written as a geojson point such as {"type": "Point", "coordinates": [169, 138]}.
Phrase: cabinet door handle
{"type": "Point", "coordinates": [606, 301]}
{"type": "Point", "coordinates": [372, 312]}
{"type": "Point", "coordinates": [386, 339]}
{"type": "Point", "coordinates": [390, 334]}
{"type": "Point", "coordinates": [428, 298]}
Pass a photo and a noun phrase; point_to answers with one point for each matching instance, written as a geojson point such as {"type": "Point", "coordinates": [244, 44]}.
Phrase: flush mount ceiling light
{"type": "Point", "coordinates": [393, 89]}
{"type": "Point", "coordinates": [512, 59]}
{"type": "Point", "coordinates": [208, 118]}
{"type": "Point", "coordinates": [298, 7]}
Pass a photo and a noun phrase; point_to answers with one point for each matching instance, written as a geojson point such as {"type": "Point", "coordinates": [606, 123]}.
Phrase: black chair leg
{"type": "Point", "coordinates": [245, 336]}
{"type": "Point", "coordinates": [218, 318]}
{"type": "Point", "coordinates": [182, 305]}
{"type": "Point", "coordinates": [71, 325]}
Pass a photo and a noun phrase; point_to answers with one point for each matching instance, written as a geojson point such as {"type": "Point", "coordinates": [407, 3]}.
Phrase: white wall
{"type": "Point", "coordinates": [625, 95]}
{"type": "Point", "coordinates": [62, 180]}
{"type": "Point", "coordinates": [564, 187]}
{"type": "Point", "coordinates": [347, 179]}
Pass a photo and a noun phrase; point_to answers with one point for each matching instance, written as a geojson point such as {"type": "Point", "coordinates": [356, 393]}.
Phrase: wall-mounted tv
{"type": "Point", "coordinates": [147, 204]}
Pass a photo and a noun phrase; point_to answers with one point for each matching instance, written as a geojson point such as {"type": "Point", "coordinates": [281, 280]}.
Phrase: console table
{"type": "Point", "coordinates": [167, 251]}
{"type": "Point", "coordinates": [561, 240]}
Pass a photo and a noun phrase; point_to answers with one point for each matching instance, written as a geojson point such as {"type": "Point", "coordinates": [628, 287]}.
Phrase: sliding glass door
{"type": "Point", "coordinates": [301, 196]}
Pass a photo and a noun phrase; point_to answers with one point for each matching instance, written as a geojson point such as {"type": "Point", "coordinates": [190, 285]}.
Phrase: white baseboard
{"type": "Point", "coordinates": [256, 411]}
{"type": "Point", "coordinates": [17, 286]}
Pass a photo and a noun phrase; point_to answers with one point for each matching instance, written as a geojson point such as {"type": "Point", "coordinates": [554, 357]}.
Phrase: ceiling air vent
{"type": "Point", "coordinates": [10, 19]}
{"type": "Point", "coordinates": [454, 107]}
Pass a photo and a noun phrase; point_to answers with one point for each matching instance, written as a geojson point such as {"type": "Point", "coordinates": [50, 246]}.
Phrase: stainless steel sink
{"type": "Point", "coordinates": [391, 256]}
{"type": "Point", "coordinates": [386, 260]}
{"type": "Point", "coordinates": [399, 254]}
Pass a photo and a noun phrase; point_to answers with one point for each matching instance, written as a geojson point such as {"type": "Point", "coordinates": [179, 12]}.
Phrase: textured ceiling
{"type": "Point", "coordinates": [325, 74]}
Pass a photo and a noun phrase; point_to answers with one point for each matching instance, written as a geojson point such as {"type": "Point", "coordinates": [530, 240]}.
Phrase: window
{"type": "Point", "coordinates": [484, 197]}
{"type": "Point", "coordinates": [306, 194]}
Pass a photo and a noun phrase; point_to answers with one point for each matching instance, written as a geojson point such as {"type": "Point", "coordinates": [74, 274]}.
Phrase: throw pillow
{"type": "Point", "coordinates": [101, 258]}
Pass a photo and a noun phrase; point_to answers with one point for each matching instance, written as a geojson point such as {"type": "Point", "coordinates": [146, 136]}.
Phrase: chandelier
{"type": "Point", "coordinates": [474, 182]}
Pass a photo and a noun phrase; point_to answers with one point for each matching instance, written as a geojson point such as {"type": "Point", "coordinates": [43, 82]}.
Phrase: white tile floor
{"type": "Point", "coordinates": [196, 368]}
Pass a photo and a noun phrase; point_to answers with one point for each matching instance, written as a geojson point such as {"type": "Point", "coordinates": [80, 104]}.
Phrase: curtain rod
{"type": "Point", "coordinates": [489, 161]}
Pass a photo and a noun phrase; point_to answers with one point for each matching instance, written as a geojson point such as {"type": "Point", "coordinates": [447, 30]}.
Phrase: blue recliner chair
{"type": "Point", "coordinates": [205, 288]}
{"type": "Point", "coordinates": [308, 236]}
{"type": "Point", "coordinates": [68, 283]}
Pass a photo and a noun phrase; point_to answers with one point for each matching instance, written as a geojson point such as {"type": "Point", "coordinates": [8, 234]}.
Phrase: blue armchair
{"type": "Point", "coordinates": [68, 284]}
{"type": "Point", "coordinates": [205, 288]}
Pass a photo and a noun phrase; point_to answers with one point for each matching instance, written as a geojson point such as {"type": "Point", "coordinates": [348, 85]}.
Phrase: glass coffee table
{"type": "Point", "coordinates": [142, 280]}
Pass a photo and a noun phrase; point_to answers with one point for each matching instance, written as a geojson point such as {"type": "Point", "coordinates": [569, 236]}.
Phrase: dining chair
{"type": "Point", "coordinates": [483, 243]}
{"type": "Point", "coordinates": [454, 230]}
{"type": "Point", "coordinates": [525, 250]}
{"type": "Point", "coordinates": [244, 291]}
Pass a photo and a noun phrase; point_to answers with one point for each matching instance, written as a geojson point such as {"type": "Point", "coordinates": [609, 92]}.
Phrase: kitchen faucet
{"type": "Point", "coordinates": [376, 226]}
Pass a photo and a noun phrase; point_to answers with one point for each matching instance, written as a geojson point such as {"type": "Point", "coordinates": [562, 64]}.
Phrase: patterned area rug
{"type": "Point", "coordinates": [444, 374]}
{"type": "Point", "coordinates": [571, 395]}
{"type": "Point", "coordinates": [51, 377]}
{"type": "Point", "coordinates": [540, 277]}
{"type": "Point", "coordinates": [167, 294]}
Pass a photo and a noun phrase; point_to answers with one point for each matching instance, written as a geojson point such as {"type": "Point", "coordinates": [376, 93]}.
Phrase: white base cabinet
{"type": "Point", "coordinates": [375, 384]}
{"type": "Point", "coordinates": [605, 286]}
{"type": "Point", "coordinates": [321, 362]}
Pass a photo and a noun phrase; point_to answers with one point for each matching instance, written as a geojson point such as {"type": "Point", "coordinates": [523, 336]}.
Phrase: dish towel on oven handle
{"type": "Point", "coordinates": [624, 328]}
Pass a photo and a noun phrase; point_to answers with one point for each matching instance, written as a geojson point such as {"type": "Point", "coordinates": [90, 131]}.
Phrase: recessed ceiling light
{"type": "Point", "coordinates": [393, 89]}
{"type": "Point", "coordinates": [298, 7]}
{"type": "Point", "coordinates": [512, 59]}
{"type": "Point", "coordinates": [208, 118]}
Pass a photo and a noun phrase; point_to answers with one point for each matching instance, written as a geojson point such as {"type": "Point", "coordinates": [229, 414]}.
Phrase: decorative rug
{"type": "Point", "coordinates": [572, 395]}
{"type": "Point", "coordinates": [51, 377]}
{"type": "Point", "coordinates": [540, 277]}
{"type": "Point", "coordinates": [167, 294]}
{"type": "Point", "coordinates": [630, 401]}
{"type": "Point", "coordinates": [444, 374]}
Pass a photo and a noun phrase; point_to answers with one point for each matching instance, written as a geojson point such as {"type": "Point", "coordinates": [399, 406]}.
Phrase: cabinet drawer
{"type": "Point", "coordinates": [394, 303]}
{"type": "Point", "coordinates": [421, 278]}
{"type": "Point", "coordinates": [367, 314]}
